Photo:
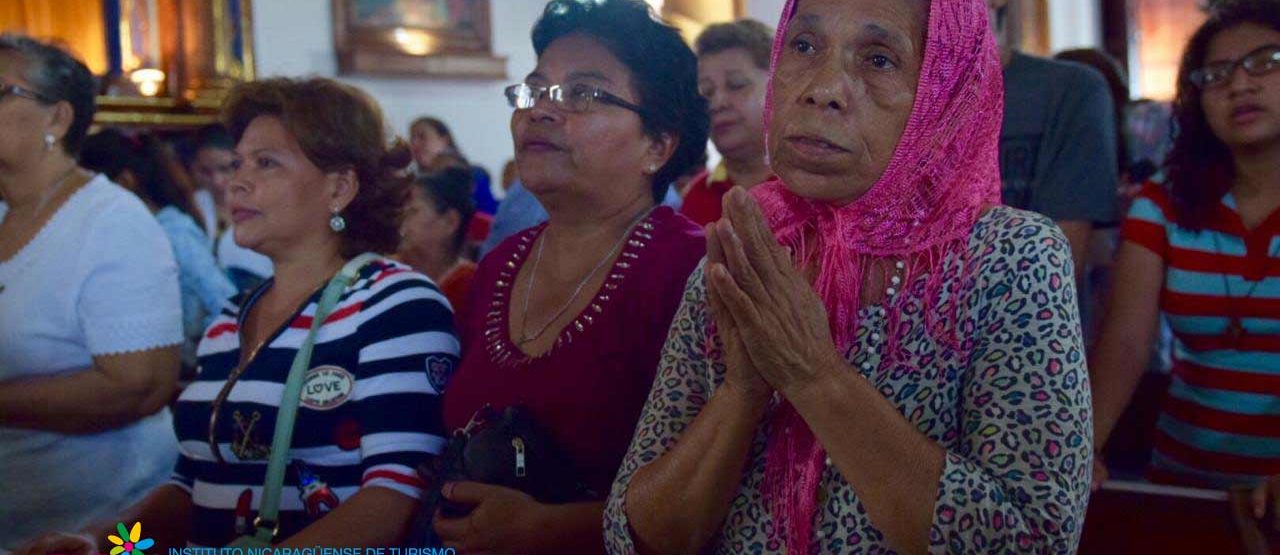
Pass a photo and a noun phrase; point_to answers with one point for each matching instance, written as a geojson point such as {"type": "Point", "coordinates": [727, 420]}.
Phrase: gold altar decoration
{"type": "Point", "coordinates": [161, 63]}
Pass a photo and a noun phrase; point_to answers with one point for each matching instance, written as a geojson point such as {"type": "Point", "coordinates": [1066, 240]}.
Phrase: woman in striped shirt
{"type": "Point", "coordinates": [314, 187]}
{"type": "Point", "coordinates": [1204, 254]}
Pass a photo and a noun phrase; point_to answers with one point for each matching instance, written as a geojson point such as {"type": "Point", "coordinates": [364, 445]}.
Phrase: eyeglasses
{"type": "Point", "coordinates": [576, 98]}
{"type": "Point", "coordinates": [1259, 62]}
{"type": "Point", "coordinates": [7, 89]}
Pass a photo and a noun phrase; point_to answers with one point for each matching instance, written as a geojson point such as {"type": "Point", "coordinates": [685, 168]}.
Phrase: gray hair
{"type": "Point", "coordinates": [58, 77]}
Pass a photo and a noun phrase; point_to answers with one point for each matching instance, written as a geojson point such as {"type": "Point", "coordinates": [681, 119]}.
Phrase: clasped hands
{"type": "Point", "coordinates": [772, 325]}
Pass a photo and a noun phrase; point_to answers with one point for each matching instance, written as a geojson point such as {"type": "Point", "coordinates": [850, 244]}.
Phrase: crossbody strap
{"type": "Point", "coordinates": [268, 523]}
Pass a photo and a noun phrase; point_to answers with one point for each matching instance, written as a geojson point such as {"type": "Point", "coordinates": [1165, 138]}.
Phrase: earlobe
{"type": "Point", "coordinates": [59, 122]}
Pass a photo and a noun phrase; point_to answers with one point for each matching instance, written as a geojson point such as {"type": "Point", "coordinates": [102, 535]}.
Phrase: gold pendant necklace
{"type": "Point", "coordinates": [525, 336]}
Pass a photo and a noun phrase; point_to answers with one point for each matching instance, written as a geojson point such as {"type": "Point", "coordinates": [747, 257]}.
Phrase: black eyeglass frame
{"type": "Point", "coordinates": [10, 89]}
{"type": "Point", "coordinates": [1255, 63]}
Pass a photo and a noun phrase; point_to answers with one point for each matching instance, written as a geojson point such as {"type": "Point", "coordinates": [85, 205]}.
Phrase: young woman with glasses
{"type": "Point", "coordinates": [1204, 253]}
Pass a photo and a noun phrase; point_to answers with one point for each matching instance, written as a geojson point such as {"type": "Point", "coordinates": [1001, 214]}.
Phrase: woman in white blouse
{"type": "Point", "coordinates": [90, 320]}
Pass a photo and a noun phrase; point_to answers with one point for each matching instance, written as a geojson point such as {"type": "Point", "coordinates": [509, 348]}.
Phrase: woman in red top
{"type": "Point", "coordinates": [733, 70]}
{"type": "Point", "coordinates": [568, 319]}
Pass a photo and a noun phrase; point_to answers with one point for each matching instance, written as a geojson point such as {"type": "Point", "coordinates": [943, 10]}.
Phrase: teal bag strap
{"type": "Point", "coordinates": [268, 523]}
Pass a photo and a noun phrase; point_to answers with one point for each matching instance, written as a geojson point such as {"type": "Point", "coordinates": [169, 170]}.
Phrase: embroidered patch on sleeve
{"type": "Point", "coordinates": [439, 371]}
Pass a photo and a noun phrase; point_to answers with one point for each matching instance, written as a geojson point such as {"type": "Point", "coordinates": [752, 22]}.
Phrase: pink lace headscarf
{"type": "Point", "coordinates": [944, 172]}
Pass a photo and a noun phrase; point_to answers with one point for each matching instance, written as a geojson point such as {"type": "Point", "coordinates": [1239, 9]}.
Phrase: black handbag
{"type": "Point", "coordinates": [505, 449]}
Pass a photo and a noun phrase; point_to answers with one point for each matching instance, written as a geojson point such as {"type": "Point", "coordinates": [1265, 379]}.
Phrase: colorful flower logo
{"type": "Point", "coordinates": [130, 542]}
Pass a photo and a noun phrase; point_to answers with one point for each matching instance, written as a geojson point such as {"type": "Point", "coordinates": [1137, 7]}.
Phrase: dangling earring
{"type": "Point", "coordinates": [337, 223]}
{"type": "Point", "coordinates": [48, 141]}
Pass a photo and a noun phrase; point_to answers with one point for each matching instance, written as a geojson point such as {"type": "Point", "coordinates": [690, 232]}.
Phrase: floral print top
{"type": "Point", "coordinates": [1013, 415]}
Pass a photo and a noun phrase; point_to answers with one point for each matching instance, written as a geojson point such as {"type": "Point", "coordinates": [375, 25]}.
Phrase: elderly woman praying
{"type": "Point", "coordinates": [874, 356]}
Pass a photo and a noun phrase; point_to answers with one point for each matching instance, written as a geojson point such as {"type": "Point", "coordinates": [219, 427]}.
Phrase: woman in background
{"type": "Point", "coordinates": [434, 231]}
{"type": "Point", "coordinates": [733, 75]}
{"type": "Point", "coordinates": [434, 149]}
{"type": "Point", "coordinates": [90, 313]}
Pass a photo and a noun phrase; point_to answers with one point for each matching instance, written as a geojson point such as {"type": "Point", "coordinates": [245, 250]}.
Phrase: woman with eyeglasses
{"type": "Point", "coordinates": [90, 317]}
{"type": "Point", "coordinates": [567, 319]}
{"type": "Point", "coordinates": [1205, 254]}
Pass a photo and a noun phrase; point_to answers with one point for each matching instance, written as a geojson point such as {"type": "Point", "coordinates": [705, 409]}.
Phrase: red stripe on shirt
{"type": "Point", "coordinates": [1148, 234]}
{"type": "Point", "coordinates": [1220, 342]}
{"type": "Point", "coordinates": [412, 481]}
{"type": "Point", "coordinates": [1228, 380]}
{"type": "Point", "coordinates": [1193, 260]}
{"type": "Point", "coordinates": [304, 322]}
{"type": "Point", "coordinates": [220, 329]}
{"type": "Point", "coordinates": [1214, 462]}
{"type": "Point", "coordinates": [1157, 194]}
{"type": "Point", "coordinates": [390, 271]}
{"type": "Point", "coordinates": [1189, 304]}
{"type": "Point", "coordinates": [1192, 413]}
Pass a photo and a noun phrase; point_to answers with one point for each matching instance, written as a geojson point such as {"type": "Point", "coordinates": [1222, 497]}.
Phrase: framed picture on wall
{"type": "Point", "coordinates": [431, 38]}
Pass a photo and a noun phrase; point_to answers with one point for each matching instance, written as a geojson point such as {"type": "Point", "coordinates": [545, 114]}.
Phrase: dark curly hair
{"type": "Point", "coordinates": [750, 35]}
{"type": "Point", "coordinates": [663, 69]}
{"type": "Point", "coordinates": [1199, 166]}
{"type": "Point", "coordinates": [58, 77]}
{"type": "Point", "coordinates": [339, 127]}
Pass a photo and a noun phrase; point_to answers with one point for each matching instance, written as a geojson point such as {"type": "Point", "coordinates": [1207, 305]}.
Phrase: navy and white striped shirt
{"type": "Point", "coordinates": [370, 410]}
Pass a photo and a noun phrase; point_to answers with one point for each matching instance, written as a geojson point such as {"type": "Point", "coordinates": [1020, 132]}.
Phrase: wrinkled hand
{"type": "Point", "coordinates": [780, 321]}
{"type": "Point", "coordinates": [64, 543]}
{"type": "Point", "coordinates": [502, 520]}
{"type": "Point", "coordinates": [740, 377]}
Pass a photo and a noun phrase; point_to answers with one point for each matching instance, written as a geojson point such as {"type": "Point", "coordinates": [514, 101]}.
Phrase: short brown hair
{"type": "Point", "coordinates": [748, 34]}
{"type": "Point", "coordinates": [339, 127]}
